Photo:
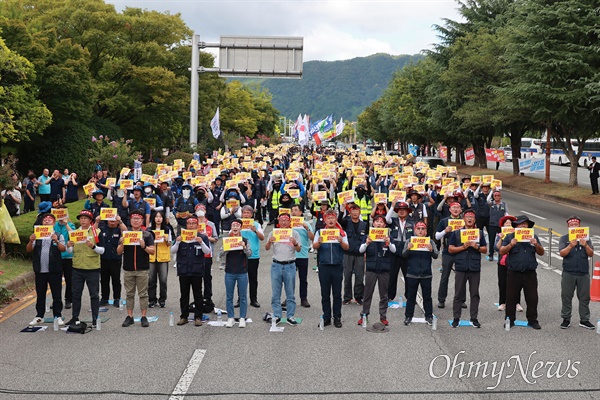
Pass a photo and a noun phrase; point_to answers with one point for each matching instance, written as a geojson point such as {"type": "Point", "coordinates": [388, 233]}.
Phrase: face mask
{"type": "Point", "coordinates": [120, 193]}
{"type": "Point", "coordinates": [185, 193]}
{"type": "Point", "coordinates": [200, 213]}
{"type": "Point", "coordinates": [148, 190]}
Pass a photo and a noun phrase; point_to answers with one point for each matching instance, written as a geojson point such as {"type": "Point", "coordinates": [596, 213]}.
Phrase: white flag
{"type": "Point", "coordinates": [215, 125]}
{"type": "Point", "coordinates": [340, 127]}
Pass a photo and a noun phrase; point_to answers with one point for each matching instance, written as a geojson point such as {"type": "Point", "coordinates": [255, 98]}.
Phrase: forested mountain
{"type": "Point", "coordinates": [342, 88]}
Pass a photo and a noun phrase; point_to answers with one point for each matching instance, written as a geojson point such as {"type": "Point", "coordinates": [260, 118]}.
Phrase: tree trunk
{"type": "Point", "coordinates": [480, 158]}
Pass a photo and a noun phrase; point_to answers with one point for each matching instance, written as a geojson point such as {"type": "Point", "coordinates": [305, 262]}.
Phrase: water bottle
{"type": "Point", "coordinates": [364, 321]}
{"type": "Point", "coordinates": [322, 324]}
{"type": "Point", "coordinates": [598, 327]}
{"type": "Point", "coordinates": [273, 322]}
{"type": "Point", "coordinates": [55, 323]}
{"type": "Point", "coordinates": [98, 323]}
{"type": "Point", "coordinates": [401, 304]}
{"type": "Point", "coordinates": [121, 304]}
{"type": "Point", "coordinates": [434, 324]}
{"type": "Point", "coordinates": [47, 305]}
{"type": "Point", "coordinates": [171, 319]}
{"type": "Point", "coordinates": [507, 324]}
{"type": "Point", "coordinates": [219, 317]}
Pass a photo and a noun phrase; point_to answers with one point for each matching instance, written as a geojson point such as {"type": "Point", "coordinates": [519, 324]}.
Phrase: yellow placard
{"type": "Point", "coordinates": [447, 181]}
{"type": "Point", "coordinates": [580, 232]}
{"type": "Point", "coordinates": [247, 223]}
{"type": "Point", "coordinates": [496, 184]}
{"type": "Point", "coordinates": [108, 214]}
{"type": "Point", "coordinates": [419, 188]}
{"type": "Point", "coordinates": [153, 181]}
{"type": "Point", "coordinates": [523, 234]}
{"type": "Point", "coordinates": [380, 198]}
{"type": "Point", "coordinates": [476, 179]}
{"type": "Point", "coordinates": [346, 196]}
{"type": "Point", "coordinates": [186, 175]}
{"type": "Point", "coordinates": [89, 188]}
{"type": "Point", "coordinates": [230, 184]}
{"type": "Point", "coordinates": [232, 203]}
{"type": "Point", "coordinates": [358, 181]}
{"type": "Point", "coordinates": [420, 243]}
{"type": "Point", "coordinates": [294, 193]}
{"type": "Point", "coordinates": [163, 177]}
{"type": "Point", "coordinates": [188, 235]}
{"type": "Point", "coordinates": [60, 213]}
{"type": "Point", "coordinates": [126, 184]}
{"type": "Point", "coordinates": [159, 236]}
{"type": "Point", "coordinates": [330, 235]}
{"type": "Point", "coordinates": [132, 238]}
{"type": "Point", "coordinates": [456, 223]}
{"type": "Point", "coordinates": [319, 196]}
{"type": "Point", "coordinates": [297, 222]}
{"type": "Point", "coordinates": [43, 231]}
{"type": "Point", "coordinates": [233, 243]}
{"type": "Point", "coordinates": [285, 211]}
{"type": "Point", "coordinates": [292, 175]}
{"type": "Point", "coordinates": [145, 177]}
{"type": "Point", "coordinates": [282, 234]}
{"type": "Point", "coordinates": [78, 236]}
{"type": "Point", "coordinates": [506, 230]}
{"type": "Point", "coordinates": [151, 201]}
{"type": "Point", "coordinates": [111, 182]}
{"type": "Point", "coordinates": [125, 171]}
{"type": "Point", "coordinates": [396, 196]}
{"type": "Point", "coordinates": [378, 234]}
{"type": "Point", "coordinates": [469, 235]}
{"type": "Point", "coordinates": [202, 228]}
{"type": "Point", "coordinates": [487, 178]}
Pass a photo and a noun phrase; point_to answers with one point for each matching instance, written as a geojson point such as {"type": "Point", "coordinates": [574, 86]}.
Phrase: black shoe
{"type": "Point", "coordinates": [162, 304]}
{"type": "Point", "coordinates": [255, 304]}
{"type": "Point", "coordinates": [534, 325]}
{"type": "Point", "coordinates": [475, 323]}
{"type": "Point", "coordinates": [565, 324]}
{"type": "Point", "coordinates": [464, 305]}
{"type": "Point", "coordinates": [455, 322]}
{"type": "Point", "coordinates": [441, 304]}
{"type": "Point", "coordinates": [359, 301]}
{"type": "Point", "coordinates": [103, 303]}
{"type": "Point", "coordinates": [429, 321]}
{"type": "Point", "coordinates": [237, 305]}
{"type": "Point", "coordinates": [407, 321]}
{"type": "Point", "coordinates": [305, 304]}
{"type": "Point", "coordinates": [116, 303]}
{"type": "Point", "coordinates": [270, 223]}
{"type": "Point", "coordinates": [586, 324]}
{"type": "Point", "coordinates": [326, 321]}
{"type": "Point", "coordinates": [68, 304]}
{"type": "Point", "coordinates": [144, 322]}
{"type": "Point", "coordinates": [72, 321]}
{"type": "Point", "coordinates": [152, 304]}
{"type": "Point", "coordinates": [337, 322]}
{"type": "Point", "coordinates": [128, 322]}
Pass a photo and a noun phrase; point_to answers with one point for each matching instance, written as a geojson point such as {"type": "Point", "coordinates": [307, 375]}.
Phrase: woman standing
{"type": "Point", "coordinates": [159, 261]}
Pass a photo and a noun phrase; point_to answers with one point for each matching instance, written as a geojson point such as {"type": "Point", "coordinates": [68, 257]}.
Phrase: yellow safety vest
{"type": "Point", "coordinates": [365, 208]}
{"type": "Point", "coordinates": [275, 200]}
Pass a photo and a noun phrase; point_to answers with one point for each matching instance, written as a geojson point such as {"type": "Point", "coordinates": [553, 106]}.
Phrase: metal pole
{"type": "Point", "coordinates": [194, 82]}
{"type": "Point", "coordinates": [549, 247]}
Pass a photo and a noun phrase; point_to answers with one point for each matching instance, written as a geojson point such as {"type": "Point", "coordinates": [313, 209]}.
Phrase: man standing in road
{"type": "Point", "coordinates": [576, 274]}
{"type": "Point", "coordinates": [594, 168]}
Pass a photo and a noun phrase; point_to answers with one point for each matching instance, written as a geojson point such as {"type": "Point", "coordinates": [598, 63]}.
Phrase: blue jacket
{"type": "Point", "coordinates": [378, 257]}
{"type": "Point", "coordinates": [330, 254]}
{"type": "Point", "coordinates": [577, 261]}
{"type": "Point", "coordinates": [468, 260]}
{"type": "Point", "coordinates": [419, 262]}
{"type": "Point", "coordinates": [190, 258]}
{"type": "Point", "coordinates": [521, 258]}
{"type": "Point", "coordinates": [355, 239]}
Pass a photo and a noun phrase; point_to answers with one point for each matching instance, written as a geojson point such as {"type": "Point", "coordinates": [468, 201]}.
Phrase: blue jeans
{"type": "Point", "coordinates": [286, 274]}
{"type": "Point", "coordinates": [242, 281]}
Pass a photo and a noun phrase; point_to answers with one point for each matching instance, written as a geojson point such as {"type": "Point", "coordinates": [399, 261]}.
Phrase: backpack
{"type": "Point", "coordinates": [10, 204]}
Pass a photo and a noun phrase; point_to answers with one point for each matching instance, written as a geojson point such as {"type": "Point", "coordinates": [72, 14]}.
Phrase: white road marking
{"type": "Point", "coordinates": [527, 212]}
{"type": "Point", "coordinates": [546, 266]}
{"type": "Point", "coordinates": [188, 375]}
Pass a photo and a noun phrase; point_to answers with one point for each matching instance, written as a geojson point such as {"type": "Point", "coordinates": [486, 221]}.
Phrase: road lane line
{"type": "Point", "coordinates": [547, 267]}
{"type": "Point", "coordinates": [188, 375]}
{"type": "Point", "coordinates": [547, 229]}
{"type": "Point", "coordinates": [527, 212]}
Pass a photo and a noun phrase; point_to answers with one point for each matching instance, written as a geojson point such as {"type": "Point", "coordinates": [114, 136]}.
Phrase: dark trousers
{"type": "Point", "coordinates": [258, 215]}
{"type": "Point", "coordinates": [502, 284]}
{"type": "Point", "coordinates": [484, 222]}
{"type": "Point", "coordinates": [381, 279]}
{"type": "Point", "coordinates": [67, 269]}
{"type": "Point", "coordinates": [412, 287]}
{"type": "Point", "coordinates": [492, 232]}
{"type": "Point", "coordinates": [195, 282]}
{"type": "Point", "coordinates": [515, 281]}
{"type": "Point", "coordinates": [29, 205]}
{"type": "Point", "coordinates": [447, 263]}
{"type": "Point", "coordinates": [91, 278]}
{"type": "Point", "coordinates": [157, 277]}
{"type": "Point", "coordinates": [110, 270]}
{"type": "Point", "coordinates": [398, 264]}
{"type": "Point", "coordinates": [460, 292]}
{"type": "Point", "coordinates": [302, 267]}
{"type": "Point", "coordinates": [42, 281]}
{"type": "Point", "coordinates": [44, 197]}
{"type": "Point", "coordinates": [594, 183]}
{"type": "Point", "coordinates": [253, 278]}
{"type": "Point", "coordinates": [330, 279]}
{"type": "Point", "coordinates": [207, 279]}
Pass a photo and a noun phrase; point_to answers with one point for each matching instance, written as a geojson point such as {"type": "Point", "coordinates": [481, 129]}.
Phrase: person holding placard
{"type": "Point", "coordinates": [505, 228]}
{"type": "Point", "coordinates": [498, 209]}
{"type": "Point", "coordinates": [254, 235]}
{"type": "Point", "coordinates": [576, 249]}
{"type": "Point", "coordinates": [418, 209]}
{"type": "Point", "coordinates": [137, 204]}
{"type": "Point", "coordinates": [401, 230]}
{"type": "Point", "coordinates": [306, 238]}
{"type": "Point", "coordinates": [47, 269]}
{"type": "Point", "coordinates": [96, 205]}
{"type": "Point", "coordinates": [236, 270]}
{"type": "Point", "coordinates": [152, 198]}
{"type": "Point", "coordinates": [378, 262]}
{"type": "Point", "coordinates": [136, 263]}
{"type": "Point", "coordinates": [283, 269]}
{"type": "Point", "coordinates": [159, 261]}
{"type": "Point", "coordinates": [110, 260]}
{"type": "Point", "coordinates": [213, 237]}
{"type": "Point", "coordinates": [86, 266]}
{"type": "Point", "coordinates": [419, 251]}
{"type": "Point", "coordinates": [354, 261]}
{"type": "Point", "coordinates": [330, 258]}
{"type": "Point", "coordinates": [467, 245]}
{"type": "Point", "coordinates": [184, 206]}
{"type": "Point", "coordinates": [230, 211]}
{"type": "Point", "coordinates": [521, 264]}
{"type": "Point", "coordinates": [63, 227]}
{"type": "Point", "coordinates": [482, 207]}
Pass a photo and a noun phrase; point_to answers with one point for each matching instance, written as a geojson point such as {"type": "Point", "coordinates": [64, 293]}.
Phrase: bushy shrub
{"type": "Point", "coordinates": [186, 157]}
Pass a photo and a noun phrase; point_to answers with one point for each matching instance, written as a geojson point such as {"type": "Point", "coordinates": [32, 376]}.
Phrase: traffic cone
{"type": "Point", "coordinates": [595, 289]}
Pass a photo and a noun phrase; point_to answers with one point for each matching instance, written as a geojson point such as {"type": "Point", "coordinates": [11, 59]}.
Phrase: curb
{"type": "Point", "coordinates": [560, 200]}
{"type": "Point", "coordinates": [20, 281]}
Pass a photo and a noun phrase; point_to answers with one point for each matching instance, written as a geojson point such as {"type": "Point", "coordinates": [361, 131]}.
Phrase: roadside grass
{"type": "Point", "coordinates": [10, 268]}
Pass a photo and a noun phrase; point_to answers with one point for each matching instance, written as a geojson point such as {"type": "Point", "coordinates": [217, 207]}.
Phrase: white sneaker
{"type": "Point", "coordinates": [60, 321]}
{"type": "Point", "coordinates": [501, 307]}
{"type": "Point", "coordinates": [519, 308]}
{"type": "Point", "coordinates": [36, 320]}
{"type": "Point", "coordinates": [230, 322]}
{"type": "Point", "coordinates": [242, 322]}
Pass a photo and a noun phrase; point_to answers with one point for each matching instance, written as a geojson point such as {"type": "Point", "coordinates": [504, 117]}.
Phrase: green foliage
{"type": "Point", "coordinates": [6, 172]}
{"type": "Point", "coordinates": [113, 154]}
{"type": "Point", "coordinates": [185, 157]}
{"type": "Point", "coordinates": [149, 168]}
{"type": "Point", "coordinates": [5, 295]}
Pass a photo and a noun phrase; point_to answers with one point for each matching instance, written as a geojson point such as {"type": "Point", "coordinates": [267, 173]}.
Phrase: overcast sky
{"type": "Point", "coordinates": [332, 29]}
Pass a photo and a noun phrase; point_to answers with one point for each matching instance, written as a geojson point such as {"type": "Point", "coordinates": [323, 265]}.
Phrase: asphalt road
{"type": "Point", "coordinates": [305, 363]}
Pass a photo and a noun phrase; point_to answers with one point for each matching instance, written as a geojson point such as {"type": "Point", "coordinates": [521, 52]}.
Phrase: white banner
{"type": "Point", "coordinates": [215, 125]}
{"type": "Point", "coordinates": [532, 165]}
